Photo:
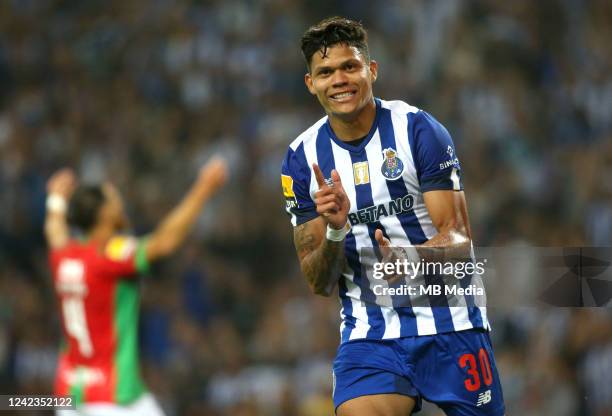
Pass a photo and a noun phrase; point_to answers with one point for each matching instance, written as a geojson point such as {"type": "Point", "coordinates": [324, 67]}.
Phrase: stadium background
{"type": "Point", "coordinates": [143, 92]}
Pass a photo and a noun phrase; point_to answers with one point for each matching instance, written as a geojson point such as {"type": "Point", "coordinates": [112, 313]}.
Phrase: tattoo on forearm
{"type": "Point", "coordinates": [304, 241]}
{"type": "Point", "coordinates": [320, 264]}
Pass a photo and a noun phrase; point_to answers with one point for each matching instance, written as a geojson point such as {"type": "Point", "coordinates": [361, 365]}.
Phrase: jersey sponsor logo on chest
{"type": "Point", "coordinates": [375, 212]}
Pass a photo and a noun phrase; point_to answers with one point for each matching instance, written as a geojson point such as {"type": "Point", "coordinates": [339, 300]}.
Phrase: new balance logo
{"type": "Point", "coordinates": [484, 398]}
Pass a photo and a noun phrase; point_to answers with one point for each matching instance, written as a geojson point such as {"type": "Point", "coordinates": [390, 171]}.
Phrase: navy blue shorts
{"type": "Point", "coordinates": [455, 370]}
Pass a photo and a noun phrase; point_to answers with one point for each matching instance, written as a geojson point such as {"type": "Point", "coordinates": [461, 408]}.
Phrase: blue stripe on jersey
{"type": "Point", "coordinates": [412, 227]}
{"type": "Point", "coordinates": [306, 209]}
{"type": "Point", "coordinates": [363, 195]}
{"type": "Point", "coordinates": [397, 189]}
{"type": "Point", "coordinates": [325, 159]}
{"type": "Point", "coordinates": [301, 175]}
{"type": "Point", "coordinates": [325, 155]}
{"type": "Point", "coordinates": [412, 143]}
{"type": "Point", "coordinates": [347, 310]}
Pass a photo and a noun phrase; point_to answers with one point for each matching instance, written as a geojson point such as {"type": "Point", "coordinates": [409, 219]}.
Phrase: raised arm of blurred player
{"type": "Point", "coordinates": [173, 229]}
{"type": "Point", "coordinates": [322, 260]}
{"type": "Point", "coordinates": [59, 189]}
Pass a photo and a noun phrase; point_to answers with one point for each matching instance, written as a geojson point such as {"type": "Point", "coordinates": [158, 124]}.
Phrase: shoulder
{"type": "Point", "coordinates": [399, 107]}
{"type": "Point", "coordinates": [73, 249]}
{"type": "Point", "coordinates": [419, 117]}
{"type": "Point", "coordinates": [120, 247]}
{"type": "Point", "coordinates": [68, 249]}
{"type": "Point", "coordinates": [295, 162]}
{"type": "Point", "coordinates": [307, 135]}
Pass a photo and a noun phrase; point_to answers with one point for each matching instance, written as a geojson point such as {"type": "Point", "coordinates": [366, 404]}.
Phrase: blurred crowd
{"type": "Point", "coordinates": [142, 93]}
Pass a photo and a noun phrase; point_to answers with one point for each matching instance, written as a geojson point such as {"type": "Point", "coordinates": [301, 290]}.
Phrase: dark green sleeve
{"type": "Point", "coordinates": [142, 263]}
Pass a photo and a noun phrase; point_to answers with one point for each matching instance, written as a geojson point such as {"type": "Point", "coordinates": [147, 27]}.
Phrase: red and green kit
{"type": "Point", "coordinates": [99, 300]}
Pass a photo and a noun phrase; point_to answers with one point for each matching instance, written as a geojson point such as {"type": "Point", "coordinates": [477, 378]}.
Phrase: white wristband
{"type": "Point", "coordinates": [56, 204]}
{"type": "Point", "coordinates": [337, 235]}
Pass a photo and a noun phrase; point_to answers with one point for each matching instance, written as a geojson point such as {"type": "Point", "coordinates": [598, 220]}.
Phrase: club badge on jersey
{"type": "Point", "coordinates": [392, 167]}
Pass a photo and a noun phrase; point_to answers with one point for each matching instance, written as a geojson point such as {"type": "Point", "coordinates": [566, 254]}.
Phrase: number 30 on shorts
{"type": "Point", "coordinates": [472, 383]}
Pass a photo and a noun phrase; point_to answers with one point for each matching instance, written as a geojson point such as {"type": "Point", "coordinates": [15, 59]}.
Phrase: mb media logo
{"type": "Point", "coordinates": [587, 281]}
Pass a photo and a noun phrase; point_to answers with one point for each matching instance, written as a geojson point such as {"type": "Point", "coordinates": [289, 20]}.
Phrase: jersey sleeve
{"type": "Point", "coordinates": [125, 256]}
{"type": "Point", "coordinates": [295, 180]}
{"type": "Point", "coordinates": [434, 154]}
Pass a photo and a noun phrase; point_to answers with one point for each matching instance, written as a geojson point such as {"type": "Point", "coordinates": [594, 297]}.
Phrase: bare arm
{"type": "Point", "coordinates": [448, 213]}
{"type": "Point", "coordinates": [173, 229]}
{"type": "Point", "coordinates": [59, 188]}
{"type": "Point", "coordinates": [321, 260]}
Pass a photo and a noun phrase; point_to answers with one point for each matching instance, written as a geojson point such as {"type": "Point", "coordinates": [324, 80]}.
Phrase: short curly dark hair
{"type": "Point", "coordinates": [332, 31]}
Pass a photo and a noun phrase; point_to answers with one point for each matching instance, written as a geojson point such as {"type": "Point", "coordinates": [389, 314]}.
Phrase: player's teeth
{"type": "Point", "coordinates": [345, 94]}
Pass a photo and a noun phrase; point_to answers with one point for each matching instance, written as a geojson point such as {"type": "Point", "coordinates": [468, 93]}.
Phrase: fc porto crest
{"type": "Point", "coordinates": [392, 166]}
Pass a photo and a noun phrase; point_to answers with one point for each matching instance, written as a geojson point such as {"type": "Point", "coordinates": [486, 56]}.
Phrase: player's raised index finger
{"type": "Point", "coordinates": [335, 176]}
{"type": "Point", "coordinates": [318, 175]}
{"type": "Point", "coordinates": [380, 238]}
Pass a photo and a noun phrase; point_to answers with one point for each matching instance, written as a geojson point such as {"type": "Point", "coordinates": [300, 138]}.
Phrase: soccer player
{"type": "Point", "coordinates": [376, 173]}
{"type": "Point", "coordinates": [94, 279]}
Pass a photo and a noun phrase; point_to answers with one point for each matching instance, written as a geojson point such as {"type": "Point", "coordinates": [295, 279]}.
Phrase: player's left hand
{"type": "Point", "coordinates": [382, 241]}
{"type": "Point", "coordinates": [389, 254]}
{"type": "Point", "coordinates": [62, 183]}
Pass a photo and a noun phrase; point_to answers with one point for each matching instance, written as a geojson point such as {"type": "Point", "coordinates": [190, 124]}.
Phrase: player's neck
{"type": "Point", "coordinates": [348, 129]}
{"type": "Point", "coordinates": [101, 233]}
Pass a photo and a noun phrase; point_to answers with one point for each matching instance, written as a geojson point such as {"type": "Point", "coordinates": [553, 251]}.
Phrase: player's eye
{"type": "Point", "coordinates": [351, 66]}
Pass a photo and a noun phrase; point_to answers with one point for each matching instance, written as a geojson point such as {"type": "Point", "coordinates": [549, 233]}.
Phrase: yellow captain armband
{"type": "Point", "coordinates": [121, 248]}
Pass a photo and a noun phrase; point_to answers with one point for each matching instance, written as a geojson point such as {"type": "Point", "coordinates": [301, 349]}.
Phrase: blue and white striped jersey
{"type": "Point", "coordinates": [406, 153]}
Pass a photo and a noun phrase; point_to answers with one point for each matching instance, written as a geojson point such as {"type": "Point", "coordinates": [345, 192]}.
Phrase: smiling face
{"type": "Point", "coordinates": [342, 81]}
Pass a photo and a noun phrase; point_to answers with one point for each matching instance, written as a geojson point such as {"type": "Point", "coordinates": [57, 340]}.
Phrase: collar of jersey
{"type": "Point", "coordinates": [356, 149]}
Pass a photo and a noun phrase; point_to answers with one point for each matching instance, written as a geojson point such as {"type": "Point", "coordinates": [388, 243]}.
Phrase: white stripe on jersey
{"type": "Point", "coordinates": [308, 134]}
{"type": "Point", "coordinates": [455, 179]}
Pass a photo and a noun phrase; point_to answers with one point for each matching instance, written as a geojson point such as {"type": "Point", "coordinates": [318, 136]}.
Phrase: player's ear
{"type": "Point", "coordinates": [308, 82]}
{"type": "Point", "coordinates": [373, 70]}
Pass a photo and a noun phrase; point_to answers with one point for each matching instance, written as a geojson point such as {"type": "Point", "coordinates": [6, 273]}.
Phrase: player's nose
{"type": "Point", "coordinates": [339, 79]}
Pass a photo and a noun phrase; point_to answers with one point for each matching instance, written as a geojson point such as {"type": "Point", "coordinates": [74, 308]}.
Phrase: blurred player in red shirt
{"type": "Point", "coordinates": [95, 282]}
